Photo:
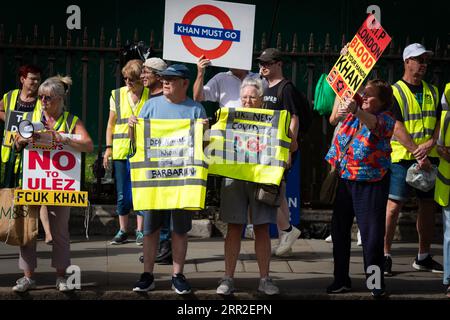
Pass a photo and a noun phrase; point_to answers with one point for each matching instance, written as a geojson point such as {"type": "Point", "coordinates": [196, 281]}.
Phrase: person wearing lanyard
{"type": "Point", "coordinates": [51, 94]}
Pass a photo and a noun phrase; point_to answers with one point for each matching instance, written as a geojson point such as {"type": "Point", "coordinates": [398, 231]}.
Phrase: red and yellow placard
{"type": "Point", "coordinates": [363, 52]}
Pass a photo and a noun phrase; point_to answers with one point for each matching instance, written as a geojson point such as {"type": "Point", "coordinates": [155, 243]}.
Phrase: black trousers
{"type": "Point", "coordinates": [367, 201]}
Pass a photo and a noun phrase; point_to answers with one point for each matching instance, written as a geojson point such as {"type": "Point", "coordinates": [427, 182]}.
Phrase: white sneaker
{"type": "Point", "coordinates": [267, 286]}
{"type": "Point", "coordinates": [226, 286]}
{"type": "Point", "coordinates": [287, 239]}
{"type": "Point", "coordinates": [24, 284]}
{"type": "Point", "coordinates": [359, 243]}
{"type": "Point", "coordinates": [61, 285]}
{"type": "Point", "coordinates": [329, 239]}
{"type": "Point", "coordinates": [289, 253]}
{"type": "Point", "coordinates": [249, 232]}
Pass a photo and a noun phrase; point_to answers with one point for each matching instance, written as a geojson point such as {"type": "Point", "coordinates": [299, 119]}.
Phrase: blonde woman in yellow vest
{"type": "Point", "coordinates": [442, 192]}
{"type": "Point", "coordinates": [417, 111]}
{"type": "Point", "coordinates": [125, 102]}
{"type": "Point", "coordinates": [52, 93]}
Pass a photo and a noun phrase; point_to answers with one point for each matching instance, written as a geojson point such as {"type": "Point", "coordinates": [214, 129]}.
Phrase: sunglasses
{"type": "Point", "coordinates": [45, 98]}
{"type": "Point", "coordinates": [421, 60]}
{"type": "Point", "coordinates": [266, 64]}
{"type": "Point", "coordinates": [129, 79]}
{"type": "Point", "coordinates": [170, 79]}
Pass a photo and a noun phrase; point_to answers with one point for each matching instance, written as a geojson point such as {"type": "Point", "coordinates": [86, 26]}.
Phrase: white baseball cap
{"type": "Point", "coordinates": [415, 50]}
{"type": "Point", "coordinates": [156, 64]}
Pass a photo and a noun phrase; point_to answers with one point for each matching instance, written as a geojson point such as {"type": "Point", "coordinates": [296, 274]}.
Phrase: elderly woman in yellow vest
{"type": "Point", "coordinates": [124, 102]}
{"type": "Point", "coordinates": [13, 105]}
{"type": "Point", "coordinates": [51, 94]}
{"type": "Point", "coordinates": [236, 201]}
{"type": "Point", "coordinates": [442, 191]}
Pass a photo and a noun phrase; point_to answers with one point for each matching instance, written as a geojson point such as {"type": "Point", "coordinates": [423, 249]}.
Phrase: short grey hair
{"type": "Point", "coordinates": [253, 82]}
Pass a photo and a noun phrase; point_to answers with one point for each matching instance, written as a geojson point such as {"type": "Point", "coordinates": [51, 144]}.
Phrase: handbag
{"type": "Point", "coordinates": [270, 194]}
{"type": "Point", "coordinates": [329, 186]}
{"type": "Point", "coordinates": [331, 182]}
{"type": "Point", "coordinates": [18, 224]}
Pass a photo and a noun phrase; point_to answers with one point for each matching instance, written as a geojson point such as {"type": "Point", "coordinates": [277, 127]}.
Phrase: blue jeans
{"type": "Point", "coordinates": [123, 187]}
{"type": "Point", "coordinates": [446, 225]}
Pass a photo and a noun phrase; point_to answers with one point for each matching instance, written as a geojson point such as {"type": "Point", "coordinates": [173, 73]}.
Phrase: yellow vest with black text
{"type": "Point", "coordinates": [442, 188]}
{"type": "Point", "coordinates": [419, 121]}
{"type": "Point", "coordinates": [250, 144]}
{"type": "Point", "coordinates": [121, 142]}
{"type": "Point", "coordinates": [9, 103]}
{"type": "Point", "coordinates": [168, 169]}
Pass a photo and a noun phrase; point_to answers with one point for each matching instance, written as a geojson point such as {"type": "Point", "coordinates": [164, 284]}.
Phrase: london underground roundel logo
{"type": "Point", "coordinates": [226, 35]}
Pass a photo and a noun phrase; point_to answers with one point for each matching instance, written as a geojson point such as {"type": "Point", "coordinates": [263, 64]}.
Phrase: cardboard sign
{"type": "Point", "coordinates": [364, 51]}
{"type": "Point", "coordinates": [12, 127]}
{"type": "Point", "coordinates": [221, 31]}
{"type": "Point", "coordinates": [56, 169]}
{"type": "Point", "coordinates": [51, 198]}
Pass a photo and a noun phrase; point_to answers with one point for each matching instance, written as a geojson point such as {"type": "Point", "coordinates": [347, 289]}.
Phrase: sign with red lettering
{"type": "Point", "coordinates": [363, 52]}
{"type": "Point", "coordinates": [55, 169]}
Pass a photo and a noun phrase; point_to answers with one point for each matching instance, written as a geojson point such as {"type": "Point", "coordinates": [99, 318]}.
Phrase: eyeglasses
{"type": "Point", "coordinates": [45, 98]}
{"type": "Point", "coordinates": [421, 60]}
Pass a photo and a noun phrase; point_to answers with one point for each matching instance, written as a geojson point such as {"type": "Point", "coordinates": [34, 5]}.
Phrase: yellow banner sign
{"type": "Point", "coordinates": [51, 198]}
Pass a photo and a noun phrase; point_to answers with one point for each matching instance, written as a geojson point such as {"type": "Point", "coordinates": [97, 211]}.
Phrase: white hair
{"type": "Point", "coordinates": [253, 82]}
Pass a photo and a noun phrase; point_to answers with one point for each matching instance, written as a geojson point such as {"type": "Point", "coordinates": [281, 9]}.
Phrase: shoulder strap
{"type": "Point", "coordinates": [282, 84]}
{"type": "Point", "coordinates": [348, 145]}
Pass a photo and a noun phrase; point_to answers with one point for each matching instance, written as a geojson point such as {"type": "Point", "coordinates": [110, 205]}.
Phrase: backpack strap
{"type": "Point", "coordinates": [281, 86]}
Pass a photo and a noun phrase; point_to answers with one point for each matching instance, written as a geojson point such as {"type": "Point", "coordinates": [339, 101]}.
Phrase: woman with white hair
{"type": "Point", "coordinates": [52, 93]}
{"type": "Point", "coordinates": [237, 200]}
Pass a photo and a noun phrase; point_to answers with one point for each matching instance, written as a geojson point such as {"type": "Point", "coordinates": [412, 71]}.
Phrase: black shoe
{"type": "Point", "coordinates": [447, 292]}
{"type": "Point", "coordinates": [180, 285]}
{"type": "Point", "coordinates": [164, 252]}
{"type": "Point", "coordinates": [428, 264]}
{"type": "Point", "coordinates": [339, 288]}
{"type": "Point", "coordinates": [145, 283]}
{"type": "Point", "coordinates": [120, 238]}
{"type": "Point", "coordinates": [388, 266]}
{"type": "Point", "coordinates": [378, 293]}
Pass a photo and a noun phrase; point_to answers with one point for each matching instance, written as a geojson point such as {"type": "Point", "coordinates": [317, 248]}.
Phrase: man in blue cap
{"type": "Point", "coordinates": [173, 104]}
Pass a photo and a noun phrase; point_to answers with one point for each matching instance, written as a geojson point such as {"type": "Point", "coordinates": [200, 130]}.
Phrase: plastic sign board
{"type": "Point", "coordinates": [221, 31]}
{"type": "Point", "coordinates": [51, 198]}
{"type": "Point", "coordinates": [12, 126]}
{"type": "Point", "coordinates": [57, 168]}
{"type": "Point", "coordinates": [363, 52]}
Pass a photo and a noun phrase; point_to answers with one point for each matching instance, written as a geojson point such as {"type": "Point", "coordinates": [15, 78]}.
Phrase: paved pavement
{"type": "Point", "coordinates": [109, 272]}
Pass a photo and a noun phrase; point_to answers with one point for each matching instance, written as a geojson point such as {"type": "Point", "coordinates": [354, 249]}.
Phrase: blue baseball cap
{"type": "Point", "coordinates": [175, 70]}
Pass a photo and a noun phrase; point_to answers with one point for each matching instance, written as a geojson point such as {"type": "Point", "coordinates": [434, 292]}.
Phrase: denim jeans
{"type": "Point", "coordinates": [446, 226]}
{"type": "Point", "coordinates": [123, 187]}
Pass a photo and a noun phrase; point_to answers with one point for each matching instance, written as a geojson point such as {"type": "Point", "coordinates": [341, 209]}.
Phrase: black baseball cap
{"type": "Point", "coordinates": [269, 55]}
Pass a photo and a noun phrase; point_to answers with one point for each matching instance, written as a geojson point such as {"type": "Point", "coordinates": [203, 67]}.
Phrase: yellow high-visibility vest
{"type": "Point", "coordinates": [250, 144]}
{"type": "Point", "coordinates": [442, 188]}
{"type": "Point", "coordinates": [65, 123]}
{"type": "Point", "coordinates": [9, 103]}
{"type": "Point", "coordinates": [419, 122]}
{"type": "Point", "coordinates": [121, 142]}
{"type": "Point", "coordinates": [168, 170]}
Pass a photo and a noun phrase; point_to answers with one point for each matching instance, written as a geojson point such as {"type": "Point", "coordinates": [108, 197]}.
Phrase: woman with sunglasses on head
{"type": "Point", "coordinates": [361, 154]}
{"type": "Point", "coordinates": [125, 102]}
{"type": "Point", "coordinates": [52, 93]}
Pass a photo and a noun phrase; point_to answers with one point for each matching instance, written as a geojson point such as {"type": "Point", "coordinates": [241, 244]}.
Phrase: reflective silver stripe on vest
{"type": "Point", "coordinates": [68, 123]}
{"type": "Point", "coordinates": [8, 107]}
{"type": "Point", "coordinates": [169, 183]}
{"type": "Point", "coordinates": [443, 179]}
{"type": "Point", "coordinates": [402, 96]}
{"type": "Point", "coordinates": [168, 164]}
{"type": "Point", "coordinates": [434, 93]}
{"type": "Point", "coordinates": [117, 102]}
{"type": "Point", "coordinates": [273, 141]}
{"type": "Point", "coordinates": [234, 157]}
{"type": "Point", "coordinates": [120, 135]}
{"type": "Point", "coordinates": [443, 132]}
